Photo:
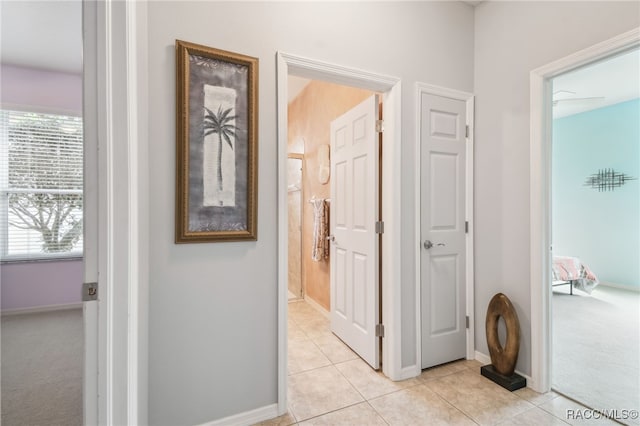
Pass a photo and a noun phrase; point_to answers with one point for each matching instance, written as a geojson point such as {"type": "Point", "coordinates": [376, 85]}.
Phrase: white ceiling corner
{"type": "Point", "coordinates": [43, 34]}
{"type": "Point", "coordinates": [607, 82]}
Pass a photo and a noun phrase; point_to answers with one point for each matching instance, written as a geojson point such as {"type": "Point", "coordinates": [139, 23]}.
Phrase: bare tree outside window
{"type": "Point", "coordinates": [45, 179]}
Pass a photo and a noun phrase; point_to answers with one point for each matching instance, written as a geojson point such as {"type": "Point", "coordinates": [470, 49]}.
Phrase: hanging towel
{"type": "Point", "coordinates": [326, 229]}
{"type": "Point", "coordinates": [320, 249]}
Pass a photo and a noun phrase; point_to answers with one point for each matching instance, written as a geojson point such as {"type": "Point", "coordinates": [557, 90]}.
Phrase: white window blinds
{"type": "Point", "coordinates": [41, 184]}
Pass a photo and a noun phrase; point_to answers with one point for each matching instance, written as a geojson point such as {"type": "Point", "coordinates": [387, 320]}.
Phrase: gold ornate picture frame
{"type": "Point", "coordinates": [216, 145]}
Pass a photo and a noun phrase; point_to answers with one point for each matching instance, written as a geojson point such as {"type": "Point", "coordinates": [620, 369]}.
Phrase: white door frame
{"type": "Point", "coordinates": [390, 87]}
{"type": "Point", "coordinates": [469, 99]}
{"type": "Point", "coordinates": [90, 207]}
{"type": "Point", "coordinates": [114, 42]}
{"type": "Point", "coordinates": [540, 195]}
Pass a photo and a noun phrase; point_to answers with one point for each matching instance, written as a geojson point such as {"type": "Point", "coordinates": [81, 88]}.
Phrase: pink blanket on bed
{"type": "Point", "coordinates": [567, 268]}
{"type": "Point", "coordinates": [571, 268]}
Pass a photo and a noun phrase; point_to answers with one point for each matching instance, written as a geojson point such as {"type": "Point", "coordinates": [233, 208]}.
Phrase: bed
{"type": "Point", "coordinates": [573, 272]}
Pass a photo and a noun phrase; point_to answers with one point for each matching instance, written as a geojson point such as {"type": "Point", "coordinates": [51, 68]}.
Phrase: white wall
{"type": "Point", "coordinates": [511, 39]}
{"type": "Point", "coordinates": [213, 307]}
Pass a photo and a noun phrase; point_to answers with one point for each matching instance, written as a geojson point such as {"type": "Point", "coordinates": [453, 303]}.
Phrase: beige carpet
{"type": "Point", "coordinates": [596, 348]}
{"type": "Point", "coordinates": [42, 358]}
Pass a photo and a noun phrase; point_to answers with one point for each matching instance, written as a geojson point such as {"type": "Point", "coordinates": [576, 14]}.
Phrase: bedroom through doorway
{"type": "Point", "coordinates": [595, 216]}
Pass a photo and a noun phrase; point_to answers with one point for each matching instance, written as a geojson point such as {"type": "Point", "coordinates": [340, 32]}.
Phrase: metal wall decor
{"type": "Point", "coordinates": [607, 180]}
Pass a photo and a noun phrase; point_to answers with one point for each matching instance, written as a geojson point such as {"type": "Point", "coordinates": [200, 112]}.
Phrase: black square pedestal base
{"type": "Point", "coordinates": [513, 382]}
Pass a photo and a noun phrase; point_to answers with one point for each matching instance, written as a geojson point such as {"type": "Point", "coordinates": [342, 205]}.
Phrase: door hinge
{"type": "Point", "coordinates": [379, 330]}
{"type": "Point", "coordinates": [379, 227]}
{"type": "Point", "coordinates": [466, 227]}
{"type": "Point", "coordinates": [466, 131]}
{"type": "Point", "coordinates": [89, 292]}
{"type": "Point", "coordinates": [467, 321]}
{"type": "Point", "coordinates": [379, 126]}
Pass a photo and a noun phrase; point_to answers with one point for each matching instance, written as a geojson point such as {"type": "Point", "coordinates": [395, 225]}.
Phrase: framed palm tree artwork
{"type": "Point", "coordinates": [216, 144]}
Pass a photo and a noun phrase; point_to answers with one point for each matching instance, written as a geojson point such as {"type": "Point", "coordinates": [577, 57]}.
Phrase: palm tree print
{"type": "Point", "coordinates": [220, 123]}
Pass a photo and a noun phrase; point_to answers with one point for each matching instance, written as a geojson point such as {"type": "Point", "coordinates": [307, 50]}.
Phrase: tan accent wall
{"type": "Point", "coordinates": [310, 115]}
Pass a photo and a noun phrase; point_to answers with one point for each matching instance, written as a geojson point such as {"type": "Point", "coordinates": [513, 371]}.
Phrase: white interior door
{"type": "Point", "coordinates": [354, 212]}
{"type": "Point", "coordinates": [442, 227]}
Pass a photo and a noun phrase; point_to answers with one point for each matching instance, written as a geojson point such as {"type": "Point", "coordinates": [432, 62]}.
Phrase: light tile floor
{"type": "Point", "coordinates": [330, 385]}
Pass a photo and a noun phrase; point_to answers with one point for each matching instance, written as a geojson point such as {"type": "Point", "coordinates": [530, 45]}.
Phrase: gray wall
{"type": "Point", "coordinates": [213, 307]}
{"type": "Point", "coordinates": [511, 39]}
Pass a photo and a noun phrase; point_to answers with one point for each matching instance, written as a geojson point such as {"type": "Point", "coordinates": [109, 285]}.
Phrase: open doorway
{"type": "Point", "coordinates": [324, 130]}
{"type": "Point", "coordinates": [311, 111]}
{"type": "Point", "coordinates": [41, 213]}
{"type": "Point", "coordinates": [541, 124]}
{"type": "Point", "coordinates": [595, 216]}
{"type": "Point", "coordinates": [314, 105]}
{"type": "Point", "coordinates": [390, 87]}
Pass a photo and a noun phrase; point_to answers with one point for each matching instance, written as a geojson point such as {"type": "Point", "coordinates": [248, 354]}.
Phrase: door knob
{"type": "Point", "coordinates": [331, 238]}
{"type": "Point", "coordinates": [428, 244]}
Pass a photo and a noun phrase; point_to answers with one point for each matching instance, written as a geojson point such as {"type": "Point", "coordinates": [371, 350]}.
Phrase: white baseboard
{"type": "Point", "coordinates": [633, 288]}
{"type": "Point", "coordinates": [409, 372]}
{"type": "Point", "coordinates": [485, 359]}
{"type": "Point", "coordinates": [318, 307]}
{"type": "Point", "coordinates": [39, 309]}
{"type": "Point", "coordinates": [247, 418]}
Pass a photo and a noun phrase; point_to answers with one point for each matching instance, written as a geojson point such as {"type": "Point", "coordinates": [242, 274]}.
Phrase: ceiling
{"type": "Point", "coordinates": [47, 34]}
{"type": "Point", "coordinates": [608, 82]}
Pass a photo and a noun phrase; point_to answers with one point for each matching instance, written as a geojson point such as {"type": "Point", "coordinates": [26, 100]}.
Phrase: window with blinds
{"type": "Point", "coordinates": [41, 184]}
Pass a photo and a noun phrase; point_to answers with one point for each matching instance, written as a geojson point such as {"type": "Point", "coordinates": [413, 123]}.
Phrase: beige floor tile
{"type": "Point", "coordinates": [443, 370]}
{"type": "Point", "coordinates": [300, 308]}
{"type": "Point", "coordinates": [418, 405]}
{"type": "Point", "coordinates": [359, 414]}
{"type": "Point", "coordinates": [371, 383]}
{"type": "Point", "coordinates": [303, 312]}
{"type": "Point", "coordinates": [315, 327]}
{"type": "Point", "coordinates": [472, 364]}
{"type": "Point", "coordinates": [320, 391]}
{"type": "Point", "coordinates": [305, 355]}
{"type": "Point", "coordinates": [479, 398]}
{"type": "Point", "coordinates": [534, 417]}
{"type": "Point", "coordinates": [461, 364]}
{"type": "Point", "coordinates": [535, 397]}
{"type": "Point", "coordinates": [284, 420]}
{"type": "Point", "coordinates": [334, 349]}
{"type": "Point", "coordinates": [294, 332]}
{"type": "Point", "coordinates": [574, 413]}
